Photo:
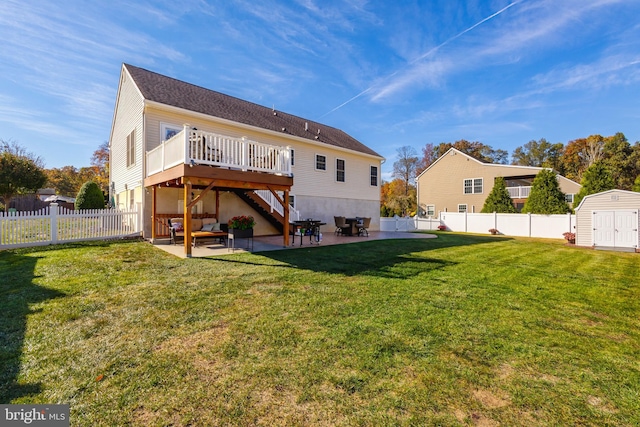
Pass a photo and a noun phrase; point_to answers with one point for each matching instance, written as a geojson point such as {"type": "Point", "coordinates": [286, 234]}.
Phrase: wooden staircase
{"type": "Point", "coordinates": [259, 205]}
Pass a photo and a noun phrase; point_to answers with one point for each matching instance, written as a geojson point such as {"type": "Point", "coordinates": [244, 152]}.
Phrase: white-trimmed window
{"type": "Point", "coordinates": [321, 162]}
{"type": "Point", "coordinates": [168, 130]}
{"type": "Point", "coordinates": [293, 157]}
{"type": "Point", "coordinates": [374, 176]}
{"type": "Point", "coordinates": [568, 198]}
{"type": "Point", "coordinates": [340, 170]}
{"type": "Point", "coordinates": [131, 148]}
{"type": "Point", "coordinates": [431, 211]}
{"type": "Point", "coordinates": [292, 201]}
{"type": "Point", "coordinates": [472, 186]}
{"type": "Point", "coordinates": [462, 208]}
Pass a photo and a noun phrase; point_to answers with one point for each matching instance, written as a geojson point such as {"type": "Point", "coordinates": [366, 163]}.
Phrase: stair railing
{"type": "Point", "coordinates": [274, 204]}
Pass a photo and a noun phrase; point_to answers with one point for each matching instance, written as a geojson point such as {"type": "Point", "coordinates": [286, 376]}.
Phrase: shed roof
{"type": "Point", "coordinates": [176, 93]}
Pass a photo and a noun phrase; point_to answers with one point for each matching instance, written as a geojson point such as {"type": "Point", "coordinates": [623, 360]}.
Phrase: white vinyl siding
{"type": "Point", "coordinates": [340, 170]}
{"type": "Point", "coordinates": [128, 120]}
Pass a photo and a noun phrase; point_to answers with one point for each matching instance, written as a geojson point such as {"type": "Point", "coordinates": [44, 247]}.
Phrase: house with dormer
{"type": "Point", "coordinates": [178, 149]}
{"type": "Point", "coordinates": [457, 182]}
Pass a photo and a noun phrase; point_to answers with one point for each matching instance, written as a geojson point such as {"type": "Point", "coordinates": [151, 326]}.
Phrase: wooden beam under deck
{"type": "Point", "coordinates": [202, 176]}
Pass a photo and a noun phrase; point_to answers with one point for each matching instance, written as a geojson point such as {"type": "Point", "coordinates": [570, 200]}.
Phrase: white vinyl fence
{"type": "Point", "coordinates": [528, 225]}
{"type": "Point", "coordinates": [55, 224]}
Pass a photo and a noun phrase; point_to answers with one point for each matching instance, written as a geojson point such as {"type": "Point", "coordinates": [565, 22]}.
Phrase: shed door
{"type": "Point", "coordinates": [603, 228]}
{"type": "Point", "coordinates": [617, 229]}
{"type": "Point", "coordinates": [626, 229]}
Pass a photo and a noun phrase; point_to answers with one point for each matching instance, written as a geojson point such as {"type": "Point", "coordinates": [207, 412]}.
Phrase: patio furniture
{"type": "Point", "coordinates": [363, 226]}
{"type": "Point", "coordinates": [236, 233]}
{"type": "Point", "coordinates": [340, 224]}
{"type": "Point", "coordinates": [200, 228]}
{"type": "Point", "coordinates": [309, 227]}
{"type": "Point", "coordinates": [352, 227]}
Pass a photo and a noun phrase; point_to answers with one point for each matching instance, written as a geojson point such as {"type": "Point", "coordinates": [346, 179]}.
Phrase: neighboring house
{"type": "Point", "coordinates": [175, 147]}
{"type": "Point", "coordinates": [609, 220]}
{"type": "Point", "coordinates": [457, 182]}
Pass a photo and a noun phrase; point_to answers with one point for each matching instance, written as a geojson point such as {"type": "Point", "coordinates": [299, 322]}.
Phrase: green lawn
{"type": "Point", "coordinates": [459, 330]}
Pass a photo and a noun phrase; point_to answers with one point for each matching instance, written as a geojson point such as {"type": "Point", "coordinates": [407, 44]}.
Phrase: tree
{"type": "Point", "coordinates": [100, 166]}
{"type": "Point", "coordinates": [539, 154]}
{"type": "Point", "coordinates": [394, 201]}
{"type": "Point", "coordinates": [596, 178]}
{"type": "Point", "coordinates": [90, 197]}
{"type": "Point", "coordinates": [546, 197]}
{"type": "Point", "coordinates": [621, 160]}
{"type": "Point", "coordinates": [636, 184]}
{"type": "Point", "coordinates": [405, 167]}
{"type": "Point", "coordinates": [20, 172]}
{"type": "Point", "coordinates": [499, 199]}
{"type": "Point", "coordinates": [477, 150]}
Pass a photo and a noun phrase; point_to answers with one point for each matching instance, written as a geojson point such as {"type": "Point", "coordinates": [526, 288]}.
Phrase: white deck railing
{"type": "Point", "coordinates": [193, 147]}
{"type": "Point", "coordinates": [519, 192]}
{"type": "Point", "coordinates": [275, 205]}
{"type": "Point", "coordinates": [55, 224]}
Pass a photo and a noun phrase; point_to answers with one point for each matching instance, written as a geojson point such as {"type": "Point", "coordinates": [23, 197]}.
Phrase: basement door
{"type": "Point", "coordinates": [616, 229]}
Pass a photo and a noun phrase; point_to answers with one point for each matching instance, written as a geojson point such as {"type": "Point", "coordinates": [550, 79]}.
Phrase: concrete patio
{"type": "Point", "coordinates": [274, 243]}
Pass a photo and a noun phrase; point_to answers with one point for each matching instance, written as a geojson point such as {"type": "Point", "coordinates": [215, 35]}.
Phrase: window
{"type": "Point", "coordinates": [292, 201]}
{"type": "Point", "coordinates": [131, 148]}
{"type": "Point", "coordinates": [293, 157]}
{"type": "Point", "coordinates": [168, 130]}
{"type": "Point", "coordinates": [431, 211]}
{"type": "Point", "coordinates": [473, 186]}
{"type": "Point", "coordinates": [462, 208]}
{"type": "Point", "coordinates": [340, 170]}
{"type": "Point", "coordinates": [321, 162]}
{"type": "Point", "coordinates": [568, 198]}
{"type": "Point", "coordinates": [374, 176]}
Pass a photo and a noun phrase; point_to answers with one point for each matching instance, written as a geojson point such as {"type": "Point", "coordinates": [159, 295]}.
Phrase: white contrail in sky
{"type": "Point", "coordinates": [421, 57]}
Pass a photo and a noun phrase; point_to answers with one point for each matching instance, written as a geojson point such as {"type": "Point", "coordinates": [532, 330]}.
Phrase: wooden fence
{"type": "Point", "coordinates": [55, 224]}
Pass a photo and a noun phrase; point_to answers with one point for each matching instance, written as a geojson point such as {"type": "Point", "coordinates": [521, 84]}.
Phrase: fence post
{"type": "Point", "coordinates": [529, 213]}
{"type": "Point", "coordinates": [465, 221]}
{"type": "Point", "coordinates": [53, 214]}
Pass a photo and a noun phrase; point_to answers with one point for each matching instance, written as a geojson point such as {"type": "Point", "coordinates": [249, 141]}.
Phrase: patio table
{"type": "Point", "coordinates": [311, 228]}
{"type": "Point", "coordinates": [353, 227]}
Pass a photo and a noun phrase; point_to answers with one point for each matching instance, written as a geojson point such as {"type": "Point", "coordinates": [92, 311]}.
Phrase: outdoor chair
{"type": "Point", "coordinates": [341, 224]}
{"type": "Point", "coordinates": [363, 225]}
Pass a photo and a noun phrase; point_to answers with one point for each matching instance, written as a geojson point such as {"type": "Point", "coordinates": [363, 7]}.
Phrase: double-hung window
{"type": "Point", "coordinates": [131, 148]}
{"type": "Point", "coordinates": [473, 186]}
{"type": "Point", "coordinates": [374, 176]}
{"type": "Point", "coordinates": [321, 162]}
{"type": "Point", "coordinates": [340, 170]}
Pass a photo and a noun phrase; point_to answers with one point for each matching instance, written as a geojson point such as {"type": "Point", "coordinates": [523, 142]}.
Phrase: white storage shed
{"type": "Point", "coordinates": [609, 220]}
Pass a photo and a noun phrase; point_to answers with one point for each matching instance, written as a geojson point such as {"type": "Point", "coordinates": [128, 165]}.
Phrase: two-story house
{"type": "Point", "coordinates": [457, 182]}
{"type": "Point", "coordinates": [177, 149]}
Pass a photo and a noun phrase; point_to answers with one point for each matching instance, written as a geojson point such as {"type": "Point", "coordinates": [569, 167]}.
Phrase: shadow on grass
{"type": "Point", "coordinates": [392, 258]}
{"type": "Point", "coordinates": [17, 293]}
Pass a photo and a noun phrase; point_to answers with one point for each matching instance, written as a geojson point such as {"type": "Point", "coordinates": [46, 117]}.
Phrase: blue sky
{"type": "Point", "coordinates": [390, 73]}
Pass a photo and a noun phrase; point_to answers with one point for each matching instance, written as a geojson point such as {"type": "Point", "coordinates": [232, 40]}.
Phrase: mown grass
{"type": "Point", "coordinates": [459, 330]}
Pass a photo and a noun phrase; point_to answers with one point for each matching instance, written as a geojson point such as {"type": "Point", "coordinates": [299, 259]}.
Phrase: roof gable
{"type": "Point", "coordinates": [176, 93]}
{"type": "Point", "coordinates": [492, 165]}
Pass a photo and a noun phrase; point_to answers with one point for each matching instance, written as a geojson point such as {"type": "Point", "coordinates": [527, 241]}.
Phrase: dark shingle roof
{"type": "Point", "coordinates": [176, 93]}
